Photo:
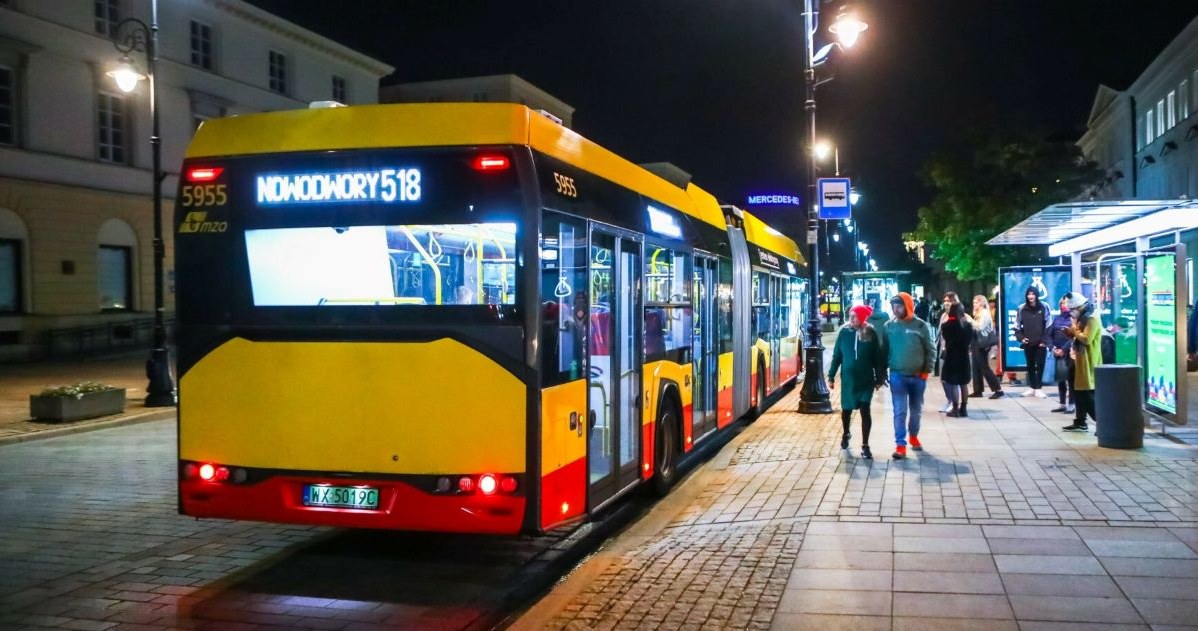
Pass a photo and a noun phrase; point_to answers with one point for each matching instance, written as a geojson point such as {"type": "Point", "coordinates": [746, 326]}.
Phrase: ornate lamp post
{"type": "Point", "coordinates": [814, 398]}
{"type": "Point", "coordinates": [134, 35]}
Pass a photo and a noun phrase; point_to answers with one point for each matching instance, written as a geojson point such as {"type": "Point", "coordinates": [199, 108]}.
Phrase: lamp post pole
{"type": "Point", "coordinates": [814, 397]}
{"type": "Point", "coordinates": [134, 35]}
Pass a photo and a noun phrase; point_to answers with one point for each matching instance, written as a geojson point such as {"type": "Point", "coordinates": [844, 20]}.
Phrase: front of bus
{"type": "Point", "coordinates": [351, 341]}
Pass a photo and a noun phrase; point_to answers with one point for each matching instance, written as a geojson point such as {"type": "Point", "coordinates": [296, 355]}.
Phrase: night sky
{"type": "Point", "coordinates": [715, 86]}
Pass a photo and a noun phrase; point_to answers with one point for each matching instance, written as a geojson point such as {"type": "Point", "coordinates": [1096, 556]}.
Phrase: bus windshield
{"type": "Point", "coordinates": [402, 265]}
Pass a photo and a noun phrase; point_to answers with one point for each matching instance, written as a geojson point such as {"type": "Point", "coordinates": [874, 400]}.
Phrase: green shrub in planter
{"type": "Point", "coordinates": [77, 401]}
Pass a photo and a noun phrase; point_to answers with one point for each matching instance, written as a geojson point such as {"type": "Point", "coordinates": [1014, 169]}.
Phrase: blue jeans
{"type": "Point", "coordinates": [906, 393]}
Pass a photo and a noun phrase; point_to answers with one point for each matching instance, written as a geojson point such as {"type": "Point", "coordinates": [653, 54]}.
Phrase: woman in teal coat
{"type": "Point", "coordinates": [858, 356]}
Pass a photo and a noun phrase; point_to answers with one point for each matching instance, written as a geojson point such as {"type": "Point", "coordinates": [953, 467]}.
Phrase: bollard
{"type": "Point", "coordinates": [1119, 406]}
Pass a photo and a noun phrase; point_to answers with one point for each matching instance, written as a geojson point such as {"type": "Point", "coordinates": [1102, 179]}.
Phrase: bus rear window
{"type": "Point", "coordinates": [455, 264]}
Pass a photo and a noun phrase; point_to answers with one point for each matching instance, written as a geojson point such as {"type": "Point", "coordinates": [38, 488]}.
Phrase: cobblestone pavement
{"type": "Point", "coordinates": [90, 539]}
{"type": "Point", "coordinates": [1003, 522]}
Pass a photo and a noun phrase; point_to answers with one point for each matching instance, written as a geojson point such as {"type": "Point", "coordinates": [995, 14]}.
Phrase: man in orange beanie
{"type": "Point", "coordinates": [910, 354]}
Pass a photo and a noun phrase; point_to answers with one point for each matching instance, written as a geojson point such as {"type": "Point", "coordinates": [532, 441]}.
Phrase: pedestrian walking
{"type": "Point", "coordinates": [1060, 345]}
{"type": "Point", "coordinates": [1086, 332]}
{"type": "Point", "coordinates": [957, 336]}
{"type": "Point", "coordinates": [907, 343]}
{"type": "Point", "coordinates": [1031, 325]}
{"type": "Point", "coordinates": [923, 309]}
{"type": "Point", "coordinates": [950, 299]}
{"type": "Point", "coordinates": [985, 338]}
{"type": "Point", "coordinates": [858, 356]}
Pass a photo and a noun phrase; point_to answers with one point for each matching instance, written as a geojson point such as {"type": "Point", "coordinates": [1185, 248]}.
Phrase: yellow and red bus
{"type": "Point", "coordinates": [457, 317]}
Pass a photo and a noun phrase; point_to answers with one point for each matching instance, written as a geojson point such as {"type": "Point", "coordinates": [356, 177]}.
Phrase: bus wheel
{"type": "Point", "coordinates": [665, 462]}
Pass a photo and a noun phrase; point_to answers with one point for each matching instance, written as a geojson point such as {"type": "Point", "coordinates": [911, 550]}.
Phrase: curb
{"type": "Point", "coordinates": [141, 417]}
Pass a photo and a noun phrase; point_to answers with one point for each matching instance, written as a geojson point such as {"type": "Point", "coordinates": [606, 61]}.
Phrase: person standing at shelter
{"type": "Point", "coordinates": [1031, 326]}
{"type": "Point", "coordinates": [950, 298]}
{"type": "Point", "coordinates": [858, 356]}
{"type": "Point", "coordinates": [985, 337]}
{"type": "Point", "coordinates": [907, 341]}
{"type": "Point", "coordinates": [957, 336]}
{"type": "Point", "coordinates": [1061, 347]}
{"type": "Point", "coordinates": [1086, 332]}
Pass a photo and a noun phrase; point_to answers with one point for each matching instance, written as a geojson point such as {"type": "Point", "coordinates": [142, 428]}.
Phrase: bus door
{"type": "Point", "coordinates": [776, 326]}
{"type": "Point", "coordinates": [705, 351]}
{"type": "Point", "coordinates": [742, 312]}
{"type": "Point", "coordinates": [614, 416]}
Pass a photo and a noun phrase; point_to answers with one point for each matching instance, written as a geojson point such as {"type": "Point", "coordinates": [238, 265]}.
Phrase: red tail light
{"type": "Point", "coordinates": [207, 472]}
{"type": "Point", "coordinates": [466, 484]}
{"type": "Point", "coordinates": [508, 484]}
{"type": "Point", "coordinates": [204, 174]}
{"type": "Point", "coordinates": [491, 163]}
{"type": "Point", "coordinates": [487, 484]}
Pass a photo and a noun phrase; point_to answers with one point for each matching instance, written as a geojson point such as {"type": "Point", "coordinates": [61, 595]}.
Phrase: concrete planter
{"type": "Point", "coordinates": [89, 405]}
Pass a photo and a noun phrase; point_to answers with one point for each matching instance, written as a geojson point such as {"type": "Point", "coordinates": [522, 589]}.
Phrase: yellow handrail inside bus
{"type": "Point", "coordinates": [428, 261]}
{"type": "Point", "coordinates": [502, 255]}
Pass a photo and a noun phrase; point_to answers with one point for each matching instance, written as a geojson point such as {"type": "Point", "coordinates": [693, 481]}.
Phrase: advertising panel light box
{"type": "Point", "coordinates": [1052, 281]}
{"type": "Point", "coordinates": [1161, 342]}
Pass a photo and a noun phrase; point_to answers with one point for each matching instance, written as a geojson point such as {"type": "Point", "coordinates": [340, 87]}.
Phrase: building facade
{"type": "Point", "coordinates": [503, 88]}
{"type": "Point", "coordinates": [76, 220]}
{"type": "Point", "coordinates": [1146, 136]}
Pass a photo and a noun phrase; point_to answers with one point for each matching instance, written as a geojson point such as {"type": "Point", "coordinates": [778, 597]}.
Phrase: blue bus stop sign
{"type": "Point", "coordinates": [834, 202]}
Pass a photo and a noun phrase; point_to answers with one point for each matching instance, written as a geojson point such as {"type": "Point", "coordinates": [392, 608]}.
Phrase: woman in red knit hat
{"type": "Point", "coordinates": [858, 356]}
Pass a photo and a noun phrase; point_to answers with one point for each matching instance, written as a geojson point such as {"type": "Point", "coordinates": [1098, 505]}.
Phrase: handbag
{"type": "Point", "coordinates": [1050, 375]}
{"type": "Point", "coordinates": [1061, 370]}
{"type": "Point", "coordinates": [987, 340]}
{"type": "Point", "coordinates": [1050, 366]}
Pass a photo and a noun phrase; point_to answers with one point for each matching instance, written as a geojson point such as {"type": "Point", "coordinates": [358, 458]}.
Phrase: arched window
{"type": "Point", "coordinates": [115, 265]}
{"type": "Point", "coordinates": [13, 239]}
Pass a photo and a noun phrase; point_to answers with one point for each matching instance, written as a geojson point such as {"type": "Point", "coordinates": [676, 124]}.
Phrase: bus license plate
{"type": "Point", "coordinates": [359, 497]}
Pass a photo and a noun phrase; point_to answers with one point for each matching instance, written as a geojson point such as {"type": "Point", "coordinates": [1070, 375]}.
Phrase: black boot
{"type": "Point", "coordinates": [964, 413]}
{"type": "Point", "coordinates": [844, 440]}
{"type": "Point", "coordinates": [866, 453]}
{"type": "Point", "coordinates": [955, 412]}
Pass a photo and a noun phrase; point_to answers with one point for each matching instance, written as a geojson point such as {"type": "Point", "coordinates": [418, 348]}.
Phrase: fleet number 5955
{"type": "Point", "coordinates": [204, 195]}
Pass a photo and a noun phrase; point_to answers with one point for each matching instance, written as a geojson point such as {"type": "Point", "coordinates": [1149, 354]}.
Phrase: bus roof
{"type": "Point", "coordinates": [453, 124]}
{"type": "Point", "coordinates": [762, 235]}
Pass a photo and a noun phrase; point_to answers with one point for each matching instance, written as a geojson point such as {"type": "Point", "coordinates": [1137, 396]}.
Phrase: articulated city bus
{"type": "Point", "coordinates": [457, 317]}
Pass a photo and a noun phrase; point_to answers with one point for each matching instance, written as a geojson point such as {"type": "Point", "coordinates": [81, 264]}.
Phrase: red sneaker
{"type": "Point", "coordinates": [900, 452]}
{"type": "Point", "coordinates": [915, 444]}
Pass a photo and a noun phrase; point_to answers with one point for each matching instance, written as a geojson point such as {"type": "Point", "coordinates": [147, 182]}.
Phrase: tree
{"type": "Point", "coordinates": [1002, 179]}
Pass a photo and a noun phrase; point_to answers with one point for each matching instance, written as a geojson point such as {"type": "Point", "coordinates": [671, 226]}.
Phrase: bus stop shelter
{"type": "Point", "coordinates": [1132, 259]}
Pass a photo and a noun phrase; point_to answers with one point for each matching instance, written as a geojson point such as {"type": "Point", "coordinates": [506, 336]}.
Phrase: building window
{"type": "Point", "coordinates": [113, 127]}
{"type": "Point", "coordinates": [1171, 109]}
{"type": "Point", "coordinates": [339, 89]}
{"type": "Point", "coordinates": [8, 106]}
{"type": "Point", "coordinates": [1160, 118]}
{"type": "Point", "coordinates": [115, 274]}
{"type": "Point", "coordinates": [10, 276]}
{"type": "Point", "coordinates": [1149, 117]}
{"type": "Point", "coordinates": [278, 72]}
{"type": "Point", "coordinates": [1183, 100]}
{"type": "Point", "coordinates": [108, 15]}
{"type": "Point", "coordinates": [201, 45]}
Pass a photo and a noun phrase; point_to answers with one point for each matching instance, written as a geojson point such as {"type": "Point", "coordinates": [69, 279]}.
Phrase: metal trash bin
{"type": "Point", "coordinates": [1119, 406]}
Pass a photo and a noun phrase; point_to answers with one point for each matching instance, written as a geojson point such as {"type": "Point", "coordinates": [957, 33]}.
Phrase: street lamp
{"type": "Point", "coordinates": [134, 35]}
{"type": "Point", "coordinates": [854, 196]}
{"type": "Point", "coordinates": [814, 397]}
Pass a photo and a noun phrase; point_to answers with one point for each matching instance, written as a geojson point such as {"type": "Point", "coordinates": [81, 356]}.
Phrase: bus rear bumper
{"type": "Point", "coordinates": [401, 506]}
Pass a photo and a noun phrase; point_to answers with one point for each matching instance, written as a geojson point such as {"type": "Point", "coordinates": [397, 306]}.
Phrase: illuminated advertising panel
{"type": "Point", "coordinates": [1161, 341]}
{"type": "Point", "coordinates": [1051, 281]}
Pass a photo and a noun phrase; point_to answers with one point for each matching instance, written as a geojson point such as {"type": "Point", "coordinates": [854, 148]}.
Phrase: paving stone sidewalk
{"type": "Point", "coordinates": [1003, 522]}
{"type": "Point", "coordinates": [18, 381]}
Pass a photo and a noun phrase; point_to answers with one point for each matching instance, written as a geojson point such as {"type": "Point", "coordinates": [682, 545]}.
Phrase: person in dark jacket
{"type": "Point", "coordinates": [957, 337]}
{"type": "Point", "coordinates": [923, 309]}
{"type": "Point", "coordinates": [858, 356]}
{"type": "Point", "coordinates": [1060, 345]}
{"type": "Point", "coordinates": [1031, 327]}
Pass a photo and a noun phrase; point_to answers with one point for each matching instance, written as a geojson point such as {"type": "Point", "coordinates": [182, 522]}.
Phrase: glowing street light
{"type": "Point", "coordinates": [125, 75]}
{"type": "Point", "coordinates": [822, 150]}
{"type": "Point", "coordinates": [848, 27]}
{"type": "Point", "coordinates": [836, 237]}
{"type": "Point", "coordinates": [854, 196]}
